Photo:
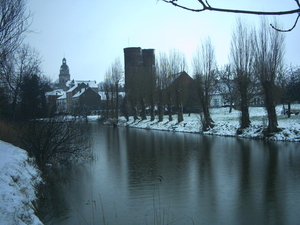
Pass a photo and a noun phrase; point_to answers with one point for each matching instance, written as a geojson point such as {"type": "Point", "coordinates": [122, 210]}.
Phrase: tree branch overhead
{"type": "Point", "coordinates": [205, 6]}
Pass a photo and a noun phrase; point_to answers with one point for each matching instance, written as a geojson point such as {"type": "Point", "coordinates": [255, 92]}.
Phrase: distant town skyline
{"type": "Point", "coordinates": [91, 35]}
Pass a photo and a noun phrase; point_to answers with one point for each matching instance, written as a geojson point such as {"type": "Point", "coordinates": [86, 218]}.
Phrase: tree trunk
{"type": "Point", "coordinates": [152, 115]}
{"type": "Point", "coordinates": [170, 106]}
{"type": "Point", "coordinates": [289, 110]}
{"type": "Point", "coordinates": [179, 106]}
{"type": "Point", "coordinates": [230, 107]}
{"type": "Point", "coordinates": [135, 111]}
{"type": "Point", "coordinates": [270, 107]}
{"type": "Point", "coordinates": [160, 107]}
{"type": "Point", "coordinates": [107, 104]}
{"type": "Point", "coordinates": [143, 111]}
{"type": "Point", "coordinates": [245, 119]}
{"type": "Point", "coordinates": [207, 121]}
{"type": "Point", "coordinates": [112, 102]}
{"type": "Point", "coordinates": [117, 101]}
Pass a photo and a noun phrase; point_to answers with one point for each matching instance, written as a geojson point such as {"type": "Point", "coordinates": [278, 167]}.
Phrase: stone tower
{"type": "Point", "coordinates": [64, 73]}
{"type": "Point", "coordinates": [139, 69]}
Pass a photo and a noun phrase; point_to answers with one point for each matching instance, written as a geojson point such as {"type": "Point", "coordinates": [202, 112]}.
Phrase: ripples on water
{"type": "Point", "coordinates": [153, 177]}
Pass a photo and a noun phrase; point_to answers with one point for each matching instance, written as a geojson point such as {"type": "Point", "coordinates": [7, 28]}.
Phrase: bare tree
{"type": "Point", "coordinates": [57, 140]}
{"type": "Point", "coordinates": [177, 65]}
{"type": "Point", "coordinates": [205, 68]}
{"type": "Point", "coordinates": [241, 57]}
{"type": "Point", "coordinates": [169, 67]}
{"type": "Point", "coordinates": [108, 95]}
{"type": "Point", "coordinates": [25, 62]}
{"type": "Point", "coordinates": [111, 87]}
{"type": "Point", "coordinates": [164, 78]}
{"type": "Point", "coordinates": [116, 75]}
{"type": "Point", "coordinates": [291, 87]}
{"type": "Point", "coordinates": [227, 86]}
{"type": "Point", "coordinates": [205, 6]}
{"type": "Point", "coordinates": [161, 81]}
{"type": "Point", "coordinates": [269, 56]}
{"type": "Point", "coordinates": [14, 23]}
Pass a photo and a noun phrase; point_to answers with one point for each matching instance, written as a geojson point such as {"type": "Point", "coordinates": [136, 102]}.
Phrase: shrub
{"type": "Point", "coordinates": [57, 140]}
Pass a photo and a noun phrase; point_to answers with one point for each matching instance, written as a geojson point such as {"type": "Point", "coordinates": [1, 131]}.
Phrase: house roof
{"type": "Point", "coordinates": [181, 79]}
{"type": "Point", "coordinates": [80, 92]}
{"type": "Point", "coordinates": [72, 88]}
{"type": "Point", "coordinates": [89, 83]}
{"type": "Point", "coordinates": [55, 92]}
{"type": "Point", "coordinates": [64, 96]}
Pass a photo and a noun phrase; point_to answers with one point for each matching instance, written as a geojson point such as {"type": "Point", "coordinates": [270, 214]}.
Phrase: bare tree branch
{"type": "Point", "coordinates": [205, 6]}
{"type": "Point", "coordinates": [288, 30]}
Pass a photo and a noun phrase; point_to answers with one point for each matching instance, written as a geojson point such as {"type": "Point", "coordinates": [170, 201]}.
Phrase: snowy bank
{"type": "Point", "coordinates": [226, 124]}
{"type": "Point", "coordinates": [18, 178]}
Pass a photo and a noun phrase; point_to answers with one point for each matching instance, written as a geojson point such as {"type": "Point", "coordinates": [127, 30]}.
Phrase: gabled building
{"type": "Point", "coordinates": [52, 97]}
{"type": "Point", "coordinates": [80, 98]}
{"type": "Point", "coordinates": [89, 83]}
{"type": "Point", "coordinates": [76, 95]}
{"type": "Point", "coordinates": [187, 86]}
{"type": "Point", "coordinates": [61, 103]}
{"type": "Point", "coordinates": [86, 100]}
{"type": "Point", "coordinates": [70, 93]}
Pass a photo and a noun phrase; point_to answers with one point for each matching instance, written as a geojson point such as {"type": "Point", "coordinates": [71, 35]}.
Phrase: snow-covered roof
{"type": "Point", "coordinates": [72, 88]}
{"type": "Point", "coordinates": [55, 92]}
{"type": "Point", "coordinates": [89, 83]}
{"type": "Point", "coordinates": [64, 96]}
{"type": "Point", "coordinates": [80, 92]}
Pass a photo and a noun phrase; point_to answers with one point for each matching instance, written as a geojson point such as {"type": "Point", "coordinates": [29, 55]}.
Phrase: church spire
{"type": "Point", "coordinates": [64, 73]}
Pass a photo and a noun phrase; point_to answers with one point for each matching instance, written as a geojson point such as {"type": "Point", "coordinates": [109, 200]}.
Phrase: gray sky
{"type": "Point", "coordinates": [91, 34]}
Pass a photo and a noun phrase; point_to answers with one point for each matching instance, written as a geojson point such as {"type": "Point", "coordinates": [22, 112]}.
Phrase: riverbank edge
{"type": "Point", "coordinates": [288, 132]}
{"type": "Point", "coordinates": [20, 180]}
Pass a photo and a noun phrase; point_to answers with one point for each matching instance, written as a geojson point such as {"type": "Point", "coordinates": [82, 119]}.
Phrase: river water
{"type": "Point", "coordinates": [154, 177]}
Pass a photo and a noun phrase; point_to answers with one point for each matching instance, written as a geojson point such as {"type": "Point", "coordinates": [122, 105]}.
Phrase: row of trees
{"type": "Point", "coordinates": [256, 67]}
{"type": "Point", "coordinates": [257, 60]}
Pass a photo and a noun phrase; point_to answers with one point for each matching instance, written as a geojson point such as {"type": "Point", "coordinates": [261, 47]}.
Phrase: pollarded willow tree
{"type": "Point", "coordinates": [241, 60]}
{"type": "Point", "coordinates": [205, 71]}
{"type": "Point", "coordinates": [205, 6]}
{"type": "Point", "coordinates": [268, 48]}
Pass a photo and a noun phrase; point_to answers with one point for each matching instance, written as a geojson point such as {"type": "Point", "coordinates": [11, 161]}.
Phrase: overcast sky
{"type": "Point", "coordinates": [91, 34]}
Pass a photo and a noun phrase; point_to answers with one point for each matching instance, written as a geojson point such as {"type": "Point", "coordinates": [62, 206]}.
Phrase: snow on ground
{"type": "Point", "coordinates": [18, 178]}
{"type": "Point", "coordinates": [226, 124]}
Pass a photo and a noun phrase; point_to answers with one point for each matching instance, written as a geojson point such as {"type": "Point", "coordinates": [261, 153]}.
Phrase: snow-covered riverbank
{"type": "Point", "coordinates": [18, 179]}
{"type": "Point", "coordinates": [226, 124]}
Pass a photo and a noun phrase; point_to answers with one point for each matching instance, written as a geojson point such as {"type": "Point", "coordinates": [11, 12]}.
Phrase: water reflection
{"type": "Point", "coordinates": [144, 177]}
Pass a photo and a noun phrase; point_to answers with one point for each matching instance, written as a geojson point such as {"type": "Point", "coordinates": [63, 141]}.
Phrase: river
{"type": "Point", "coordinates": [154, 177]}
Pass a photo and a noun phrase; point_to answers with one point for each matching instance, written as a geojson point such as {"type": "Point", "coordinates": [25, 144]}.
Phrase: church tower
{"type": "Point", "coordinates": [64, 73]}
